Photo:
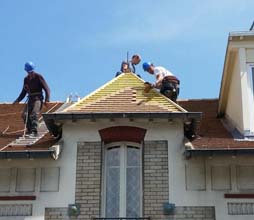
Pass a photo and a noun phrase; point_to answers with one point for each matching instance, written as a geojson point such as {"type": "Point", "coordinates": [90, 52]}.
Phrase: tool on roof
{"type": "Point", "coordinates": [127, 60]}
{"type": "Point", "coordinates": [252, 26]}
{"type": "Point", "coordinates": [24, 134]}
{"type": "Point", "coordinates": [148, 87]}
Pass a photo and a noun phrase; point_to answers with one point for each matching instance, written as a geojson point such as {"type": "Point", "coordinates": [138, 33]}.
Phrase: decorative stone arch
{"type": "Point", "coordinates": [122, 133]}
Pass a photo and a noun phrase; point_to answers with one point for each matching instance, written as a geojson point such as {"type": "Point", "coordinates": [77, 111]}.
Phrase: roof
{"type": "Point", "coordinates": [12, 127]}
{"type": "Point", "coordinates": [212, 134]}
{"type": "Point", "coordinates": [124, 93]}
{"type": "Point", "coordinates": [122, 97]}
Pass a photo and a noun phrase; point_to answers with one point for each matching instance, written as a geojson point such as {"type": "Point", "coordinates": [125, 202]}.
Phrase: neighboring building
{"type": "Point", "coordinates": [121, 152]}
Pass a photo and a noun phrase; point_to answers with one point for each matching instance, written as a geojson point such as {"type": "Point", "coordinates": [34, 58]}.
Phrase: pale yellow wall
{"type": "Point", "coordinates": [234, 103]}
{"type": "Point", "coordinates": [250, 55]}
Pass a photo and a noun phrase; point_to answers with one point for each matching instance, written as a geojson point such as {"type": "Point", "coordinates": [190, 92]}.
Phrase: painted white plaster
{"type": "Point", "coordinates": [250, 55]}
{"type": "Point", "coordinates": [66, 193]}
{"type": "Point", "coordinates": [172, 132]}
{"type": "Point", "coordinates": [235, 112]}
{"type": "Point", "coordinates": [209, 197]}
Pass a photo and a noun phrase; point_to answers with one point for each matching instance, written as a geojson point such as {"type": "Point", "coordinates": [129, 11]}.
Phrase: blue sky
{"type": "Point", "coordinates": [79, 45]}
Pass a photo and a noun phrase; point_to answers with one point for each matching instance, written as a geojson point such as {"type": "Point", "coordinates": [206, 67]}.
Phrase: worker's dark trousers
{"type": "Point", "coordinates": [32, 111]}
{"type": "Point", "coordinates": [170, 90]}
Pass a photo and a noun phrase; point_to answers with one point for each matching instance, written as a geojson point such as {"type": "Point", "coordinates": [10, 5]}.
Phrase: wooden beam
{"type": "Point", "coordinates": [239, 196]}
{"type": "Point", "coordinates": [8, 198]}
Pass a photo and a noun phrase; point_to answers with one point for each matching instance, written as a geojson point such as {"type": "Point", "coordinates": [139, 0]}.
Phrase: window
{"type": "Point", "coordinates": [251, 94]}
{"type": "Point", "coordinates": [122, 181]}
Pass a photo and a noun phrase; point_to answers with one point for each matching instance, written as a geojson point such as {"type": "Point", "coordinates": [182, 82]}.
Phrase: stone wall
{"type": "Point", "coordinates": [193, 213]}
{"type": "Point", "coordinates": [155, 188]}
{"type": "Point", "coordinates": [56, 213]}
{"type": "Point", "coordinates": [155, 178]}
{"type": "Point", "coordinates": [88, 179]}
{"type": "Point", "coordinates": [88, 184]}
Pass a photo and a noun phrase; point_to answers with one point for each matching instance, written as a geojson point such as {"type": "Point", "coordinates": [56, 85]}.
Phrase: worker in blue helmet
{"type": "Point", "coordinates": [33, 86]}
{"type": "Point", "coordinates": [165, 80]}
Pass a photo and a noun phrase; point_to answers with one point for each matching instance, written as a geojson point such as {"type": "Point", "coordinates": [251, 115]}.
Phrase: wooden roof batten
{"type": "Point", "coordinates": [122, 97]}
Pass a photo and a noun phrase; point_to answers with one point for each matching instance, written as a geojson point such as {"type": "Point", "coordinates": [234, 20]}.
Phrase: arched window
{"type": "Point", "coordinates": [122, 186]}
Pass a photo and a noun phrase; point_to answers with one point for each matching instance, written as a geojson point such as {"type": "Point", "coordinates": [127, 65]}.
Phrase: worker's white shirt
{"type": "Point", "coordinates": [161, 70]}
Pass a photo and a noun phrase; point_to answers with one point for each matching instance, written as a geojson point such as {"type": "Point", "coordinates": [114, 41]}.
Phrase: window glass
{"type": "Point", "coordinates": [112, 182]}
{"type": "Point", "coordinates": [123, 181]}
{"type": "Point", "coordinates": [133, 182]}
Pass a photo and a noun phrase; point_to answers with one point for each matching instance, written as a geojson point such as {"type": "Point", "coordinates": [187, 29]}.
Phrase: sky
{"type": "Point", "coordinates": [78, 45]}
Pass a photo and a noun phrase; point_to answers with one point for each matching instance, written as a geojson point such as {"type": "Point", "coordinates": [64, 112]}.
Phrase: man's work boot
{"type": "Point", "coordinates": [33, 134]}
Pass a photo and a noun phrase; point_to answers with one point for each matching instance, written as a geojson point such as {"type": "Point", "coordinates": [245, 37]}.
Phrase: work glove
{"type": "Point", "coordinates": [148, 87]}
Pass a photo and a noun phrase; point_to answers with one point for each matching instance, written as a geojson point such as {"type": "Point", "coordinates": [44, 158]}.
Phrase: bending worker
{"type": "Point", "coordinates": [165, 80]}
{"type": "Point", "coordinates": [33, 85]}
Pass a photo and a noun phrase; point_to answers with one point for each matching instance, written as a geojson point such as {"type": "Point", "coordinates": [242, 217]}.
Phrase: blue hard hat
{"type": "Point", "coordinates": [146, 65]}
{"type": "Point", "coordinates": [29, 66]}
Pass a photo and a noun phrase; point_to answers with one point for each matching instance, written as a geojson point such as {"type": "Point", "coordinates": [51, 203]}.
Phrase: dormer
{"type": "Point", "coordinates": [236, 101]}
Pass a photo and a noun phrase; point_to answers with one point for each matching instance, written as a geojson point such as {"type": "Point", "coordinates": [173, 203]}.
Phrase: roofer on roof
{"type": "Point", "coordinates": [127, 67]}
{"type": "Point", "coordinates": [33, 85]}
{"type": "Point", "coordinates": [135, 60]}
{"type": "Point", "coordinates": [124, 68]}
{"type": "Point", "coordinates": [165, 80]}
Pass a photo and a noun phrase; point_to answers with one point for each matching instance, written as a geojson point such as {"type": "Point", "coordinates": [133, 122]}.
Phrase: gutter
{"type": "Point", "coordinates": [53, 152]}
{"type": "Point", "coordinates": [189, 153]}
{"type": "Point", "coordinates": [103, 115]}
{"type": "Point", "coordinates": [26, 154]}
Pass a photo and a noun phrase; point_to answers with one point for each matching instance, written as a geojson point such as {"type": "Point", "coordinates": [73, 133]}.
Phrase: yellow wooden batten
{"type": "Point", "coordinates": [126, 87]}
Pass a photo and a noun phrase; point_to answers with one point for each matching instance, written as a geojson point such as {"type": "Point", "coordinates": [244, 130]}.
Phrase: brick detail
{"type": "Point", "coordinates": [56, 214]}
{"type": "Point", "coordinates": [155, 178]}
{"type": "Point", "coordinates": [88, 179]}
{"type": "Point", "coordinates": [193, 213]}
{"type": "Point", "coordinates": [88, 184]}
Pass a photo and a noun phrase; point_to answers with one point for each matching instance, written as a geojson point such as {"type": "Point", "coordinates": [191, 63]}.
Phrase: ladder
{"type": "Point", "coordinates": [42, 131]}
{"type": "Point", "coordinates": [27, 140]}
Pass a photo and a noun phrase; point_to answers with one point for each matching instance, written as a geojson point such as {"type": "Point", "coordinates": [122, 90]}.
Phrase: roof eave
{"type": "Point", "coordinates": [241, 34]}
{"type": "Point", "coordinates": [218, 152]}
{"type": "Point", "coordinates": [26, 154]}
{"type": "Point", "coordinates": [51, 119]}
{"type": "Point", "coordinates": [106, 115]}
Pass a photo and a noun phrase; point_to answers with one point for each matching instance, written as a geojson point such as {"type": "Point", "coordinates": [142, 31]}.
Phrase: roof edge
{"type": "Point", "coordinates": [234, 152]}
{"type": "Point", "coordinates": [241, 33]}
{"type": "Point", "coordinates": [28, 154]}
{"type": "Point", "coordinates": [75, 116]}
{"type": "Point", "coordinates": [201, 99]}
